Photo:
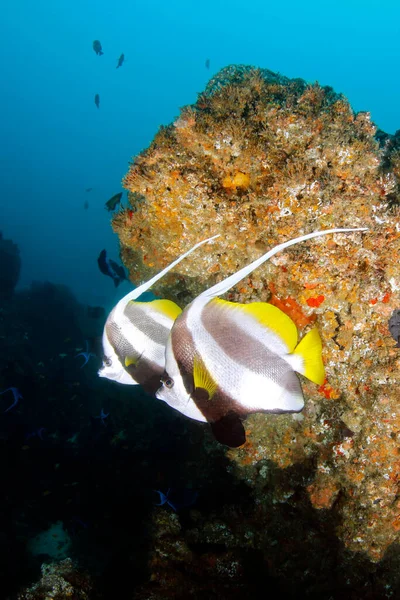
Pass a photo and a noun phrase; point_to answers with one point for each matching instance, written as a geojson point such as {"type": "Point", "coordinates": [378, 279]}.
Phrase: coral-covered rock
{"type": "Point", "coordinates": [10, 266]}
{"type": "Point", "coordinates": [177, 573]}
{"type": "Point", "coordinates": [60, 581]}
{"type": "Point", "coordinates": [261, 159]}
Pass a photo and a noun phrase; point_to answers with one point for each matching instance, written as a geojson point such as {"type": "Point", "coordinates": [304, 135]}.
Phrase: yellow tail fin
{"type": "Point", "coordinates": [310, 350]}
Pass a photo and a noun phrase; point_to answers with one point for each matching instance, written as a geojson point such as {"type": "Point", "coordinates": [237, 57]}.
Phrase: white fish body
{"type": "Point", "coordinates": [248, 381]}
{"type": "Point", "coordinates": [135, 334]}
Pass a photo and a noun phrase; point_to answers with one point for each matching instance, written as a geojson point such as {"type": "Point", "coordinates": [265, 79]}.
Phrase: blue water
{"type": "Point", "coordinates": [55, 142]}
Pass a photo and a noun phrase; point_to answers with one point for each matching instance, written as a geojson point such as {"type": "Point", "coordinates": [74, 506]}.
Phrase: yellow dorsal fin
{"type": "Point", "coordinates": [310, 350]}
{"type": "Point", "coordinates": [166, 307]}
{"type": "Point", "coordinates": [202, 378]}
{"type": "Point", "coordinates": [268, 316]}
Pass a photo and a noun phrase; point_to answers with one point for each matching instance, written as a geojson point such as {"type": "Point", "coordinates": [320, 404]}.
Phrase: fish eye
{"type": "Point", "coordinates": [168, 382]}
{"type": "Point", "coordinates": [108, 362]}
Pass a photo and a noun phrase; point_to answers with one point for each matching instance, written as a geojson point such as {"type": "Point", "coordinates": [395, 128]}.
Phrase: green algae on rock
{"type": "Point", "coordinates": [260, 158]}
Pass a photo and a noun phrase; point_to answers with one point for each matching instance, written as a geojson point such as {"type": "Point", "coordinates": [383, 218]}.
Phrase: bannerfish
{"type": "Point", "coordinates": [97, 47]}
{"type": "Point", "coordinates": [120, 61]}
{"type": "Point", "coordinates": [225, 360]}
{"type": "Point", "coordinates": [97, 100]}
{"type": "Point", "coordinates": [110, 268]}
{"type": "Point", "coordinates": [113, 202]}
{"type": "Point", "coordinates": [135, 335]}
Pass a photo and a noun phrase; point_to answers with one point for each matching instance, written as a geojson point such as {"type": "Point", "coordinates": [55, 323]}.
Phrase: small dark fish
{"type": "Point", "coordinates": [96, 312]}
{"type": "Point", "coordinates": [111, 268]}
{"type": "Point", "coordinates": [97, 47]}
{"type": "Point", "coordinates": [112, 203]}
{"type": "Point", "coordinates": [86, 205]}
{"type": "Point", "coordinates": [88, 189]}
{"type": "Point", "coordinates": [97, 100]}
{"type": "Point", "coordinates": [207, 63]}
{"type": "Point", "coordinates": [394, 326]}
{"type": "Point", "coordinates": [121, 60]}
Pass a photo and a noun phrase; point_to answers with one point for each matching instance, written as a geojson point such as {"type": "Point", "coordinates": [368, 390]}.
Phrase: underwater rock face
{"type": "Point", "coordinates": [261, 159]}
{"type": "Point", "coordinates": [54, 542]}
{"type": "Point", "coordinates": [59, 580]}
{"type": "Point", "coordinates": [10, 266]}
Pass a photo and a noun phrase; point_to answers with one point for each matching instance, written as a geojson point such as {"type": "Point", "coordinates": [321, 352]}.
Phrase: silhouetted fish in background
{"type": "Point", "coordinates": [112, 203]}
{"type": "Point", "coordinates": [110, 268]}
{"type": "Point", "coordinates": [97, 47]}
{"type": "Point", "coordinates": [86, 205]}
{"type": "Point", "coordinates": [207, 63]}
{"type": "Point", "coordinates": [394, 326]}
{"type": "Point", "coordinates": [97, 100]}
{"type": "Point", "coordinates": [121, 60]}
{"type": "Point", "coordinates": [95, 312]}
{"type": "Point", "coordinates": [88, 189]}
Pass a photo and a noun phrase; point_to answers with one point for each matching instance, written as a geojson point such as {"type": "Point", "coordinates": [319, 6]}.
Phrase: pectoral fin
{"type": "Point", "coordinates": [130, 360]}
{"type": "Point", "coordinates": [202, 378]}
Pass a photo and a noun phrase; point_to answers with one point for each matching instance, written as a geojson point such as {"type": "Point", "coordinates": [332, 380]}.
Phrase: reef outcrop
{"type": "Point", "coordinates": [260, 159]}
{"type": "Point", "coordinates": [60, 580]}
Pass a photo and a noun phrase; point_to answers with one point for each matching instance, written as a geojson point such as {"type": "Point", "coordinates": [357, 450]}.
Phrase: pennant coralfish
{"type": "Point", "coordinates": [135, 335]}
{"type": "Point", "coordinates": [225, 360]}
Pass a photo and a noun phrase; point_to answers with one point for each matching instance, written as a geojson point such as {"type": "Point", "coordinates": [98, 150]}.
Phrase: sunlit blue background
{"type": "Point", "coordinates": [55, 142]}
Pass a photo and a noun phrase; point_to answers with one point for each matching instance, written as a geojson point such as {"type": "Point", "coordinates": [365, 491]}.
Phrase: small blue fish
{"type": "Point", "coordinates": [37, 433]}
{"type": "Point", "coordinates": [111, 268]}
{"type": "Point", "coordinates": [102, 416]}
{"type": "Point", "coordinates": [86, 355]}
{"type": "Point", "coordinates": [177, 498]}
{"type": "Point", "coordinates": [17, 396]}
